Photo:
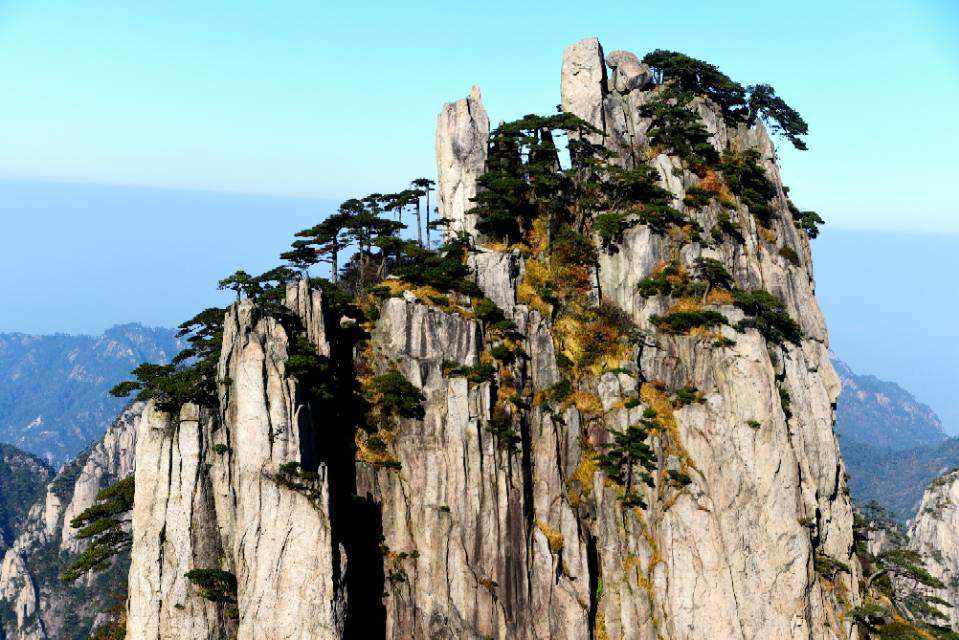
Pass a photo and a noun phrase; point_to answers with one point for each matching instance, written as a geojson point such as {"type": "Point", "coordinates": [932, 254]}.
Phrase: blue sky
{"type": "Point", "coordinates": [330, 99]}
{"type": "Point", "coordinates": [230, 125]}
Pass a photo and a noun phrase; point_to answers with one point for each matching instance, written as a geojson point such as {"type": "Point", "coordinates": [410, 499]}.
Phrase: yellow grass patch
{"type": "Point", "coordinates": [685, 304]}
{"type": "Point", "coordinates": [767, 234]}
{"type": "Point", "coordinates": [554, 537]}
{"type": "Point", "coordinates": [581, 482]}
{"type": "Point", "coordinates": [719, 297]}
{"type": "Point", "coordinates": [714, 183]}
{"type": "Point", "coordinates": [375, 456]}
{"type": "Point", "coordinates": [587, 402]}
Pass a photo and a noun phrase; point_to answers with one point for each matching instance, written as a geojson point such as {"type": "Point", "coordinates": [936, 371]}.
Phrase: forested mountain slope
{"type": "Point", "coordinates": [54, 398]}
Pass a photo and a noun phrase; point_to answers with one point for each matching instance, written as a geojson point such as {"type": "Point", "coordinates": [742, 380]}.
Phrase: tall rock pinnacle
{"type": "Point", "coordinates": [583, 81]}
{"type": "Point", "coordinates": [462, 132]}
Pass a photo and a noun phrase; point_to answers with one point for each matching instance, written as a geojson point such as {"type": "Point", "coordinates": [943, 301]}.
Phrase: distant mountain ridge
{"type": "Point", "coordinates": [54, 389]}
{"type": "Point", "coordinates": [23, 479]}
{"type": "Point", "coordinates": [892, 444]}
{"type": "Point", "coordinates": [882, 413]}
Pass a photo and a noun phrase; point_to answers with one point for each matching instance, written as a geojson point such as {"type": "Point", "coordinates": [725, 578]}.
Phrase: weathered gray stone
{"type": "Point", "coordinates": [462, 135]}
{"type": "Point", "coordinates": [41, 602]}
{"type": "Point", "coordinates": [583, 82]}
{"type": "Point", "coordinates": [488, 537]}
{"type": "Point", "coordinates": [934, 532]}
{"type": "Point", "coordinates": [629, 73]}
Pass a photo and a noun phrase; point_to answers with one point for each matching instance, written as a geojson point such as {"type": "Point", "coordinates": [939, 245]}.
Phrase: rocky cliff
{"type": "Point", "coordinates": [494, 511]}
{"type": "Point", "coordinates": [935, 532]}
{"type": "Point", "coordinates": [35, 603]}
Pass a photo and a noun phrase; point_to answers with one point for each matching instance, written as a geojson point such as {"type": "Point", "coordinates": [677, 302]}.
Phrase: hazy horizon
{"type": "Point", "coordinates": [153, 256]}
{"type": "Point", "coordinates": [248, 99]}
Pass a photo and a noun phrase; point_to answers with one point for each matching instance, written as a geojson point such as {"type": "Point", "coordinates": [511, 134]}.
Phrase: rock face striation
{"type": "Point", "coordinates": [462, 130]}
{"type": "Point", "coordinates": [203, 506]}
{"type": "Point", "coordinates": [37, 605]}
{"type": "Point", "coordinates": [934, 532]}
{"type": "Point", "coordinates": [444, 531]}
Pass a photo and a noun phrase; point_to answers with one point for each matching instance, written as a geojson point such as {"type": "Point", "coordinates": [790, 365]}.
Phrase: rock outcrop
{"type": "Point", "coordinates": [462, 132]}
{"type": "Point", "coordinates": [490, 517]}
{"type": "Point", "coordinates": [213, 492]}
{"type": "Point", "coordinates": [38, 604]}
{"type": "Point", "coordinates": [934, 532]}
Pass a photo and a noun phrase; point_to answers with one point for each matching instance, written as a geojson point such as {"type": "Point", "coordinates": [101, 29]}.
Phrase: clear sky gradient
{"type": "Point", "coordinates": [234, 124]}
{"type": "Point", "coordinates": [312, 98]}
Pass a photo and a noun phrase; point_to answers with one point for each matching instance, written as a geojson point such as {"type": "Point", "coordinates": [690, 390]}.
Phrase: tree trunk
{"type": "Point", "coordinates": [419, 228]}
{"type": "Point", "coordinates": [428, 218]}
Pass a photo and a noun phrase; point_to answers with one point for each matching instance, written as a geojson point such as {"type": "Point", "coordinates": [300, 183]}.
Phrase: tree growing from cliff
{"type": "Point", "coordinates": [425, 187]}
{"type": "Point", "coordinates": [525, 179]}
{"type": "Point", "coordinates": [696, 77]}
{"type": "Point", "coordinates": [765, 105]}
{"type": "Point", "coordinates": [240, 282]}
{"type": "Point", "coordinates": [687, 77]}
{"type": "Point", "coordinates": [714, 273]}
{"type": "Point", "coordinates": [629, 458]}
{"type": "Point", "coordinates": [191, 375]}
{"type": "Point", "coordinates": [680, 131]}
{"type": "Point", "coordinates": [898, 591]}
{"type": "Point", "coordinates": [104, 525]}
{"type": "Point", "coordinates": [301, 256]}
{"type": "Point", "coordinates": [809, 222]}
{"type": "Point", "coordinates": [329, 238]}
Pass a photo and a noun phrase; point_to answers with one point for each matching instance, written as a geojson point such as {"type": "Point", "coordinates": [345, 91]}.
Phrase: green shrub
{"type": "Point", "coordinates": [767, 315]}
{"type": "Point", "coordinates": [503, 353]}
{"type": "Point", "coordinates": [444, 269]}
{"type": "Point", "coordinates": [660, 217]}
{"type": "Point", "coordinates": [611, 226]}
{"type": "Point", "coordinates": [727, 226]}
{"type": "Point", "coordinates": [501, 427]}
{"type": "Point", "coordinates": [828, 567]}
{"type": "Point", "coordinates": [683, 321]}
{"type": "Point", "coordinates": [487, 311]}
{"type": "Point", "coordinates": [213, 584]}
{"type": "Point", "coordinates": [686, 396]}
{"type": "Point", "coordinates": [747, 179]}
{"type": "Point", "coordinates": [395, 396]}
{"type": "Point", "coordinates": [483, 372]}
{"type": "Point", "coordinates": [452, 368]}
{"type": "Point", "coordinates": [678, 129]}
{"type": "Point", "coordinates": [697, 197]}
{"type": "Point", "coordinates": [220, 448]}
{"type": "Point", "coordinates": [679, 478]}
{"type": "Point", "coordinates": [790, 255]}
{"type": "Point", "coordinates": [559, 391]}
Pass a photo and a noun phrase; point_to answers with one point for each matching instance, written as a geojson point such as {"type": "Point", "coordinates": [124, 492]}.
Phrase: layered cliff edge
{"type": "Point", "coordinates": [934, 532]}
{"type": "Point", "coordinates": [36, 603]}
{"type": "Point", "coordinates": [443, 532]}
